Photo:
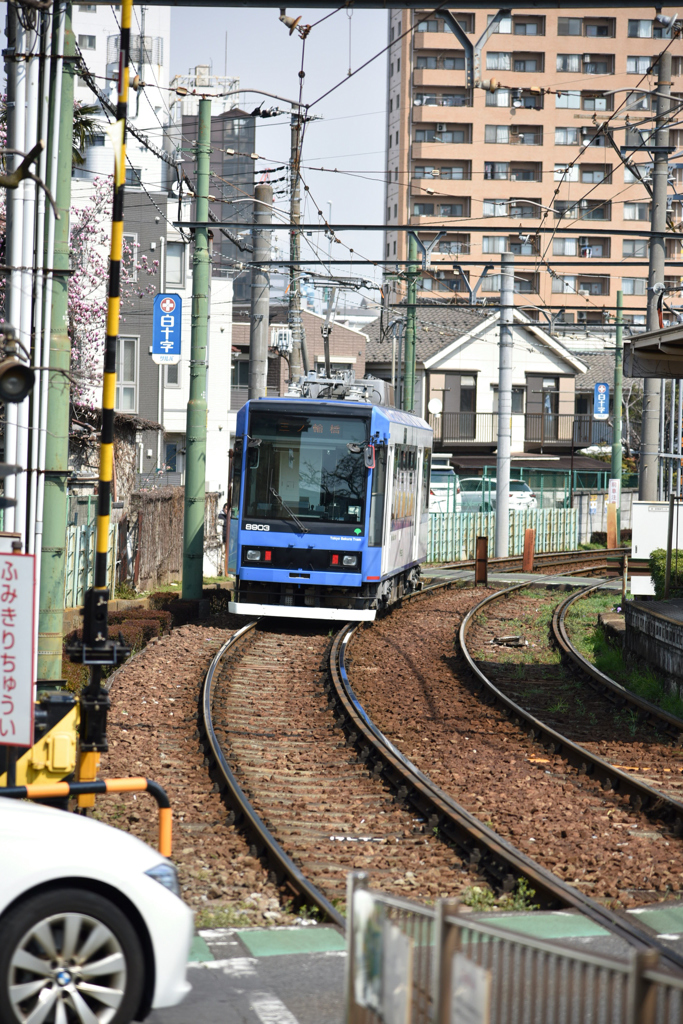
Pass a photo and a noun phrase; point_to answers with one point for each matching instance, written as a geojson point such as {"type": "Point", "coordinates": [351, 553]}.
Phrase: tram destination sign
{"type": "Point", "coordinates": [167, 328]}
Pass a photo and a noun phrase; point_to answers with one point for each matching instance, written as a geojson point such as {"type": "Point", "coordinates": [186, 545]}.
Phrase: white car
{"type": "Point", "coordinates": [93, 928]}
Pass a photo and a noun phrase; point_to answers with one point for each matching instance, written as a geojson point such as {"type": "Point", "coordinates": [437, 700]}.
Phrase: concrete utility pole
{"type": "Point", "coordinates": [616, 428]}
{"type": "Point", "coordinates": [649, 444]}
{"type": "Point", "coordinates": [299, 359]}
{"type": "Point", "coordinates": [53, 555]}
{"type": "Point", "coordinates": [410, 331]}
{"type": "Point", "coordinates": [195, 434]}
{"type": "Point", "coordinates": [507, 300]}
{"type": "Point", "coordinates": [260, 294]}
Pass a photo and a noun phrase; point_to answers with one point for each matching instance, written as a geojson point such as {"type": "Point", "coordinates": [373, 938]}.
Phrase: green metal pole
{"type": "Point", "coordinates": [195, 437]}
{"type": "Point", "coordinates": [616, 429]}
{"type": "Point", "coordinates": [409, 389]}
{"type": "Point", "coordinates": [53, 555]}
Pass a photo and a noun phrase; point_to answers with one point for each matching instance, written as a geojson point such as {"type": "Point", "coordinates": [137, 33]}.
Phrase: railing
{"type": "Point", "coordinates": [411, 963]}
{"type": "Point", "coordinates": [80, 561]}
{"type": "Point", "coordinates": [539, 428]}
{"type": "Point", "coordinates": [453, 535]}
{"type": "Point", "coordinates": [463, 427]}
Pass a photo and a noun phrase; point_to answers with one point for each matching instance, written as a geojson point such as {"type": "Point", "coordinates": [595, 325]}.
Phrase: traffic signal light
{"type": "Point", "coordinates": [16, 378]}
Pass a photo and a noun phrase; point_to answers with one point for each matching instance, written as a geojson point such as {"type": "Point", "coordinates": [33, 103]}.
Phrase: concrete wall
{"type": "Point", "coordinates": [657, 638]}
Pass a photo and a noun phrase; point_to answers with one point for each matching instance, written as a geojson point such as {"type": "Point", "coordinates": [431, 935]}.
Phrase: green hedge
{"type": "Point", "coordinates": [658, 572]}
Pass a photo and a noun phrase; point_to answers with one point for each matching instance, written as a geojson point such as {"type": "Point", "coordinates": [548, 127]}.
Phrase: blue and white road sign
{"type": "Point", "coordinates": [601, 402]}
{"type": "Point", "coordinates": [167, 328]}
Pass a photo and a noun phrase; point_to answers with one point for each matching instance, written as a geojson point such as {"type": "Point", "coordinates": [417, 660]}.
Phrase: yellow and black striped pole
{"type": "Point", "coordinates": [97, 649]}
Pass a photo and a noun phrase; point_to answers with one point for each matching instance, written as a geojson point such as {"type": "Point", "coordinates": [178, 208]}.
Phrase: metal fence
{"type": "Point", "coordinates": [410, 964]}
{"type": "Point", "coordinates": [453, 535]}
{"type": "Point", "coordinates": [80, 561]}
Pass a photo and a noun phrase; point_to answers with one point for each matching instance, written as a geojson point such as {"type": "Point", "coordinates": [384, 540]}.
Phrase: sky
{"type": "Point", "coordinates": [350, 134]}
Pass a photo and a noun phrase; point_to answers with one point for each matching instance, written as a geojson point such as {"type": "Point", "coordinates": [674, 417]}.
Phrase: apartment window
{"type": "Point", "coordinates": [635, 247]}
{"type": "Point", "coordinates": [524, 284]}
{"type": "Point", "coordinates": [526, 28]}
{"type": "Point", "coordinates": [491, 283]}
{"type": "Point", "coordinates": [526, 136]}
{"type": "Point", "coordinates": [597, 65]}
{"type": "Point", "coordinates": [569, 62]}
{"type": "Point", "coordinates": [391, 69]}
{"type": "Point", "coordinates": [639, 28]}
{"type": "Point", "coordinates": [498, 61]}
{"type": "Point", "coordinates": [171, 460]}
{"type": "Point", "coordinates": [566, 136]}
{"type": "Point", "coordinates": [126, 374]}
{"type": "Point", "coordinates": [459, 173]}
{"type": "Point", "coordinates": [388, 213]}
{"type": "Point", "coordinates": [636, 211]}
{"type": "Point", "coordinates": [592, 175]}
{"type": "Point", "coordinates": [570, 100]}
{"type": "Point", "coordinates": [426, 284]}
{"type": "Point", "coordinates": [641, 171]}
{"type": "Point", "coordinates": [398, 65]}
{"type": "Point", "coordinates": [523, 208]}
{"type": "Point", "coordinates": [564, 246]}
{"type": "Point", "coordinates": [638, 65]}
{"type": "Point", "coordinates": [634, 285]}
{"type": "Point", "coordinates": [529, 248]}
{"type": "Point", "coordinates": [495, 208]}
{"type": "Point", "coordinates": [87, 42]}
{"type": "Point", "coordinates": [564, 284]}
{"type": "Point", "coordinates": [395, 173]}
{"type": "Point", "coordinates": [452, 210]}
{"type": "Point", "coordinates": [593, 101]}
{"type": "Point", "coordinates": [497, 133]}
{"type": "Point", "coordinates": [423, 209]}
{"type": "Point", "coordinates": [87, 8]}
{"type": "Point", "coordinates": [388, 248]}
{"type": "Point", "coordinates": [638, 101]}
{"type": "Point", "coordinates": [594, 286]}
{"type": "Point", "coordinates": [494, 243]}
{"type": "Point", "coordinates": [566, 172]}
{"type": "Point", "coordinates": [130, 255]}
{"type": "Point", "coordinates": [565, 209]}
{"type": "Point", "coordinates": [518, 172]}
{"type": "Point", "coordinates": [173, 376]}
{"type": "Point", "coordinates": [504, 26]}
{"type": "Point", "coordinates": [569, 27]}
{"type": "Point", "coordinates": [175, 264]}
{"type": "Point", "coordinates": [456, 135]}
{"type": "Point", "coordinates": [97, 140]}
{"type": "Point", "coordinates": [527, 64]}
{"type": "Point", "coordinates": [453, 99]}
{"type": "Point", "coordinates": [455, 247]}
{"type": "Point", "coordinates": [496, 171]}
{"type": "Point", "coordinates": [594, 209]}
{"type": "Point", "coordinates": [397, 138]}
{"type": "Point", "coordinates": [394, 248]}
{"type": "Point", "coordinates": [428, 26]}
{"type": "Point", "coordinates": [133, 177]}
{"type": "Point", "coordinates": [599, 29]}
{"type": "Point", "coordinates": [425, 99]}
{"type": "Point", "coordinates": [499, 98]}
{"type": "Point", "coordinates": [395, 209]}
{"type": "Point", "coordinates": [391, 105]}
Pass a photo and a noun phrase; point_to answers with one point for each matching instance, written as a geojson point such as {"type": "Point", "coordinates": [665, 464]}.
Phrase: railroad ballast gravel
{"type": "Point", "coordinates": [413, 682]}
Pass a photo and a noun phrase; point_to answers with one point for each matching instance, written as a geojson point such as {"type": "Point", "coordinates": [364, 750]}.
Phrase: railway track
{"type": "Point", "coordinates": [513, 563]}
{"type": "Point", "coordinates": [283, 822]}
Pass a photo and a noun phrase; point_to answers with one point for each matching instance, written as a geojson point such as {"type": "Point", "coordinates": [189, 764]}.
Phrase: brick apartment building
{"type": "Point", "coordinates": [496, 166]}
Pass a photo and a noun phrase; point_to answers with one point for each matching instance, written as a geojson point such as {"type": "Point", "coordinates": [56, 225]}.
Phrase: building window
{"type": "Point", "coordinates": [134, 177]}
{"type": "Point", "coordinates": [496, 171]}
{"type": "Point", "coordinates": [592, 175]}
{"type": "Point", "coordinates": [594, 286]}
{"type": "Point", "coordinates": [495, 208]}
{"type": "Point", "coordinates": [394, 248]}
{"type": "Point", "coordinates": [423, 209]}
{"type": "Point", "coordinates": [504, 26]}
{"type": "Point", "coordinates": [499, 133]}
{"type": "Point", "coordinates": [570, 100]}
{"type": "Point", "coordinates": [639, 28]}
{"type": "Point", "coordinates": [175, 264]}
{"type": "Point", "coordinates": [499, 98]}
{"type": "Point", "coordinates": [240, 373]}
{"type": "Point", "coordinates": [426, 284]}
{"type": "Point", "coordinates": [87, 42]}
{"type": "Point", "coordinates": [130, 255]}
{"type": "Point", "coordinates": [564, 247]}
{"type": "Point", "coordinates": [494, 243]}
{"type": "Point", "coordinates": [638, 65]}
{"type": "Point", "coordinates": [569, 62]}
{"type": "Point", "coordinates": [526, 28]}
{"type": "Point", "coordinates": [527, 65]}
{"type": "Point", "coordinates": [569, 27]}
{"type": "Point", "coordinates": [395, 209]}
{"type": "Point", "coordinates": [452, 210]}
{"type": "Point", "coordinates": [593, 101]}
{"type": "Point", "coordinates": [524, 208]}
{"type": "Point", "coordinates": [635, 247]}
{"type": "Point", "coordinates": [566, 172]}
{"type": "Point", "coordinates": [126, 374]}
{"type": "Point", "coordinates": [456, 136]}
{"type": "Point", "coordinates": [173, 375]}
{"type": "Point", "coordinates": [171, 460]}
{"type": "Point", "coordinates": [498, 61]}
{"type": "Point", "coordinates": [634, 285]}
{"type": "Point", "coordinates": [636, 211]}
{"type": "Point", "coordinates": [566, 136]}
{"type": "Point", "coordinates": [87, 8]}
{"type": "Point", "coordinates": [564, 284]}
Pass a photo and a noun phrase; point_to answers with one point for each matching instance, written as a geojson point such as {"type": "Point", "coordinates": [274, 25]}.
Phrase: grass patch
{"type": "Point", "coordinates": [590, 640]}
{"type": "Point", "coordinates": [483, 899]}
{"type": "Point", "coordinates": [222, 917]}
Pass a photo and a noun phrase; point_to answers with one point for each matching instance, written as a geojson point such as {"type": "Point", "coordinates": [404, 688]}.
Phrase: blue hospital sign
{"type": "Point", "coordinates": [167, 327]}
{"type": "Point", "coordinates": [601, 402]}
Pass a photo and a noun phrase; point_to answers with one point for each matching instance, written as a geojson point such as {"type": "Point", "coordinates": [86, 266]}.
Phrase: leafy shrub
{"type": "Point", "coordinates": [658, 572]}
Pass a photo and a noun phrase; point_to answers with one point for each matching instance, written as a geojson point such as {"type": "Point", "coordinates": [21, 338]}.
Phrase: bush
{"type": "Point", "coordinates": [658, 572]}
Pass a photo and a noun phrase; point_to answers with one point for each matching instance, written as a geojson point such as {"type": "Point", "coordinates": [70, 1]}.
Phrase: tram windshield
{"type": "Point", "coordinates": [300, 468]}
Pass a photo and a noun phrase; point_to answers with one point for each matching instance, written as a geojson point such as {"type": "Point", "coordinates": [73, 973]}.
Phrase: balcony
{"type": "Point", "coordinates": [529, 430]}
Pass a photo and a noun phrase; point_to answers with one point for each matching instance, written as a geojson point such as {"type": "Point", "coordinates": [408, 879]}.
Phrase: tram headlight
{"type": "Point", "coordinates": [350, 560]}
{"type": "Point", "coordinates": [253, 555]}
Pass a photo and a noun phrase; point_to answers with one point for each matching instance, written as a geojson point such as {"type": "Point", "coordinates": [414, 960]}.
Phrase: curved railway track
{"type": "Point", "coordinates": [481, 847]}
{"type": "Point", "coordinates": [512, 563]}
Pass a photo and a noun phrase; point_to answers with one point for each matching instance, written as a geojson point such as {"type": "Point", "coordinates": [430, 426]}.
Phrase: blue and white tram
{"type": "Point", "coordinates": [329, 513]}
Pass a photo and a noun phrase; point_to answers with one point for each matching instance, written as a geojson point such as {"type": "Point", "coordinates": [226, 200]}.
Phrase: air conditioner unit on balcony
{"type": "Point", "coordinates": [583, 241]}
{"type": "Point", "coordinates": [586, 58]}
{"type": "Point", "coordinates": [441, 128]}
{"type": "Point", "coordinates": [513, 177]}
{"type": "Point", "coordinates": [514, 129]}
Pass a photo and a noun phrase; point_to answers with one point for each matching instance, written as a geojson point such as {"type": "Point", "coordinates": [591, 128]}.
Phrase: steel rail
{"type": "Point", "coordinates": [603, 683]}
{"type": "Point", "coordinates": [546, 559]}
{"type": "Point", "coordinates": [485, 849]}
{"type": "Point", "coordinates": [283, 866]}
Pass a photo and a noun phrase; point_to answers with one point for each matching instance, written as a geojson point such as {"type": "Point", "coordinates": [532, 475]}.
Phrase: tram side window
{"type": "Point", "coordinates": [426, 465]}
{"type": "Point", "coordinates": [236, 478]}
{"type": "Point", "coordinates": [379, 486]}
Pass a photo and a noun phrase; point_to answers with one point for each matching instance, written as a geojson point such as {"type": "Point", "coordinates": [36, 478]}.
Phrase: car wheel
{"type": "Point", "coordinates": [69, 957]}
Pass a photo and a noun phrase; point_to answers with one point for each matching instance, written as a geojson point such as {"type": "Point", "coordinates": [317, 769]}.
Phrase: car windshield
{"type": "Point", "coordinates": [303, 469]}
{"type": "Point", "coordinates": [519, 485]}
{"type": "Point", "coordinates": [470, 485]}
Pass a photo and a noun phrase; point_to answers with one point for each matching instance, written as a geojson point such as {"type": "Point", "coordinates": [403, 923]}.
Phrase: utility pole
{"type": "Point", "coordinates": [649, 445]}
{"type": "Point", "coordinates": [260, 294]}
{"type": "Point", "coordinates": [195, 434]}
{"type": "Point", "coordinates": [507, 299]}
{"type": "Point", "coordinates": [410, 331]}
{"type": "Point", "coordinates": [616, 428]}
{"type": "Point", "coordinates": [53, 555]}
{"type": "Point", "coordinates": [299, 359]}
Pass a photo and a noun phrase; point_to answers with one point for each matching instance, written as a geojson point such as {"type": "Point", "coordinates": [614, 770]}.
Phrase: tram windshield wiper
{"type": "Point", "coordinates": [295, 519]}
